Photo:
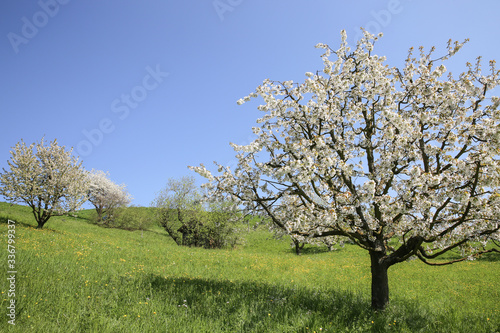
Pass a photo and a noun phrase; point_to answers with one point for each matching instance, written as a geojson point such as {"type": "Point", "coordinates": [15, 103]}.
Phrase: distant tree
{"type": "Point", "coordinates": [47, 178]}
{"type": "Point", "coordinates": [105, 195]}
{"type": "Point", "coordinates": [191, 220]}
{"type": "Point", "coordinates": [373, 154]}
{"type": "Point", "coordinates": [177, 204]}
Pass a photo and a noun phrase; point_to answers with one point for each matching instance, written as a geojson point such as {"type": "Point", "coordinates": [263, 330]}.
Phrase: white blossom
{"type": "Point", "coordinates": [368, 152]}
{"type": "Point", "coordinates": [106, 195]}
{"type": "Point", "coordinates": [46, 177]}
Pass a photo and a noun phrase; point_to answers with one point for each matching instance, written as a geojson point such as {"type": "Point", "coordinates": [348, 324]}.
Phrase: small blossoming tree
{"type": "Point", "coordinates": [47, 178]}
{"type": "Point", "coordinates": [105, 195]}
{"type": "Point", "coordinates": [371, 153]}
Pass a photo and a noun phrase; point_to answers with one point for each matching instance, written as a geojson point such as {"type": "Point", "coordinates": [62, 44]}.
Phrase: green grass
{"type": "Point", "coordinates": [74, 276]}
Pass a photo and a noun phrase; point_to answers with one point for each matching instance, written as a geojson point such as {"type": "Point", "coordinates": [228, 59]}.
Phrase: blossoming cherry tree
{"type": "Point", "coordinates": [402, 162]}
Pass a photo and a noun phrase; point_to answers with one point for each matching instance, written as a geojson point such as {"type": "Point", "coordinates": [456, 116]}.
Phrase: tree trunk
{"type": "Point", "coordinates": [298, 246]}
{"type": "Point", "coordinates": [41, 219]}
{"type": "Point", "coordinates": [98, 209]}
{"type": "Point", "coordinates": [380, 281]}
{"type": "Point", "coordinates": [41, 223]}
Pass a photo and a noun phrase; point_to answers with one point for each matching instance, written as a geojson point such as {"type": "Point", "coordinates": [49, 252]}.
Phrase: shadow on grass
{"type": "Point", "coordinates": [310, 250]}
{"type": "Point", "coordinates": [491, 257]}
{"type": "Point", "coordinates": [5, 220]}
{"type": "Point", "coordinates": [261, 307]}
{"type": "Point", "coordinates": [258, 307]}
{"type": "Point", "coordinates": [18, 222]}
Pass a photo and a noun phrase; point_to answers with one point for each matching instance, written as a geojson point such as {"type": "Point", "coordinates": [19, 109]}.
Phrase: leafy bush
{"type": "Point", "coordinates": [214, 228]}
{"type": "Point", "coordinates": [128, 218]}
{"type": "Point", "coordinates": [191, 220]}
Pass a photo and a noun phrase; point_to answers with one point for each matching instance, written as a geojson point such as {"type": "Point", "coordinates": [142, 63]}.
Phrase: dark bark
{"type": "Point", "coordinates": [99, 211]}
{"type": "Point", "coordinates": [380, 280]}
{"type": "Point", "coordinates": [40, 217]}
{"type": "Point", "coordinates": [41, 223]}
{"type": "Point", "coordinates": [298, 246]}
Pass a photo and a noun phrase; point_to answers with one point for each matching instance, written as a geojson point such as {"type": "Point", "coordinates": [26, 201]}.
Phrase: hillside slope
{"type": "Point", "coordinates": [74, 276]}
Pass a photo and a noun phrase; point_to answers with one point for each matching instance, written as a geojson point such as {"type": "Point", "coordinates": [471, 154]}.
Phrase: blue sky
{"type": "Point", "coordinates": [143, 89]}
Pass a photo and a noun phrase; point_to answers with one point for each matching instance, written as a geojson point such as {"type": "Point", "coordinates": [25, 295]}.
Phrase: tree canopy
{"type": "Point", "coordinates": [374, 153]}
{"type": "Point", "coordinates": [105, 195]}
{"type": "Point", "coordinates": [46, 177]}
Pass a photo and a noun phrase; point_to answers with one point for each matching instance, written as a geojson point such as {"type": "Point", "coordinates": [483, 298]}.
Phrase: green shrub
{"type": "Point", "coordinates": [128, 218]}
{"type": "Point", "coordinates": [191, 219]}
{"type": "Point", "coordinates": [210, 229]}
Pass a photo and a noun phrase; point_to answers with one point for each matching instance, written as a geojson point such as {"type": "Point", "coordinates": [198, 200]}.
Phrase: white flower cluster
{"type": "Point", "coordinates": [104, 194]}
{"type": "Point", "coordinates": [370, 152]}
{"type": "Point", "coordinates": [45, 177]}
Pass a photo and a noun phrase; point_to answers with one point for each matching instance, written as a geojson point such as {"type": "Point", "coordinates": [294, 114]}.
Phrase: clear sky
{"type": "Point", "coordinates": [143, 89]}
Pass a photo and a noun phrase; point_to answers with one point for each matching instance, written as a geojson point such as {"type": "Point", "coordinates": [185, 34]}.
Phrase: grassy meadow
{"type": "Point", "coordinates": [73, 276]}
